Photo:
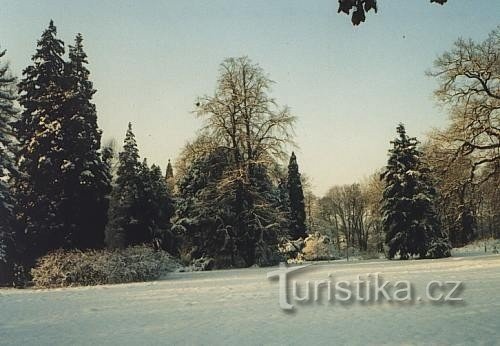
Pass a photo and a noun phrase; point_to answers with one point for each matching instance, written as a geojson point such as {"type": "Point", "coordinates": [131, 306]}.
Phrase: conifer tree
{"type": "Point", "coordinates": [296, 201]}
{"type": "Point", "coordinates": [86, 183]}
{"type": "Point", "coordinates": [409, 217]}
{"type": "Point", "coordinates": [141, 206]}
{"type": "Point", "coordinates": [169, 177]}
{"type": "Point", "coordinates": [155, 206]}
{"type": "Point", "coordinates": [122, 212]}
{"type": "Point", "coordinates": [7, 169]}
{"type": "Point", "coordinates": [41, 155]}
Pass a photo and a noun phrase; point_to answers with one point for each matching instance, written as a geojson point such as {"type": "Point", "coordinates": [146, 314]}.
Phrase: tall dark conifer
{"type": "Point", "coordinates": [42, 157]}
{"type": "Point", "coordinates": [409, 218]}
{"type": "Point", "coordinates": [298, 227]}
{"type": "Point", "coordinates": [86, 183]}
{"type": "Point", "coordinates": [7, 168]}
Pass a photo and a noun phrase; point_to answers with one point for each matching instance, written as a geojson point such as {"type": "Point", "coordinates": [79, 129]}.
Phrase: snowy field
{"type": "Point", "coordinates": [241, 307]}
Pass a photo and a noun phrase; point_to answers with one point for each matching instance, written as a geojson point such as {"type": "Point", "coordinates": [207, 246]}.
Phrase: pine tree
{"type": "Point", "coordinates": [86, 183]}
{"type": "Point", "coordinates": [409, 218]}
{"type": "Point", "coordinates": [7, 169]}
{"type": "Point", "coordinates": [123, 220]}
{"type": "Point", "coordinates": [41, 156]}
{"type": "Point", "coordinates": [298, 227]}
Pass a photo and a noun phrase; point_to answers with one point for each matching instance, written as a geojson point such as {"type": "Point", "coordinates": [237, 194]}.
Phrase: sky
{"type": "Point", "coordinates": [348, 86]}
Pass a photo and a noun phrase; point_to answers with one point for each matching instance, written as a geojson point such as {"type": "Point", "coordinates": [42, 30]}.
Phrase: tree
{"type": "Point", "coordinates": [469, 86]}
{"type": "Point", "coordinates": [86, 182]}
{"type": "Point", "coordinates": [457, 199]}
{"type": "Point", "coordinates": [141, 206]}
{"type": "Point", "coordinates": [359, 8]}
{"type": "Point", "coordinates": [8, 112]}
{"type": "Point", "coordinates": [343, 211]}
{"type": "Point", "coordinates": [123, 227]}
{"type": "Point", "coordinates": [247, 132]}
{"type": "Point", "coordinates": [155, 208]}
{"type": "Point", "coordinates": [41, 155]}
{"type": "Point", "coordinates": [298, 227]}
{"type": "Point", "coordinates": [409, 216]}
{"type": "Point", "coordinates": [169, 177]}
{"type": "Point", "coordinates": [372, 189]}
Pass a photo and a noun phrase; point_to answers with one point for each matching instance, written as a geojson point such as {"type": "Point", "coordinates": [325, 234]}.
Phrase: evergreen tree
{"type": "Point", "coordinates": [296, 201]}
{"type": "Point", "coordinates": [205, 216]}
{"type": "Point", "coordinates": [218, 218]}
{"type": "Point", "coordinates": [169, 172]}
{"type": "Point", "coordinates": [156, 207]}
{"type": "Point", "coordinates": [86, 183]}
{"type": "Point", "coordinates": [123, 220]}
{"type": "Point", "coordinates": [41, 157]}
{"type": "Point", "coordinates": [169, 177]}
{"type": "Point", "coordinates": [409, 217]}
{"type": "Point", "coordinates": [7, 169]}
{"type": "Point", "coordinates": [141, 206]}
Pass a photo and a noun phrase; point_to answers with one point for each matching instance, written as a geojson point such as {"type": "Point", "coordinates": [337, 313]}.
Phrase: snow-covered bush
{"type": "Point", "coordinates": [318, 247]}
{"type": "Point", "coordinates": [95, 267]}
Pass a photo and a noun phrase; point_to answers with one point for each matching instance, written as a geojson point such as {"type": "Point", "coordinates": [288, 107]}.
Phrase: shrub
{"type": "Point", "coordinates": [318, 247]}
{"type": "Point", "coordinates": [96, 267]}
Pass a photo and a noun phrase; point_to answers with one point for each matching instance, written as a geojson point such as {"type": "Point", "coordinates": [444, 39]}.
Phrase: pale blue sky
{"type": "Point", "coordinates": [348, 86]}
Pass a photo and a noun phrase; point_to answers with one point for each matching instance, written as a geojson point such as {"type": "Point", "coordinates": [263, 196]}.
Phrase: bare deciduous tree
{"type": "Point", "coordinates": [469, 86]}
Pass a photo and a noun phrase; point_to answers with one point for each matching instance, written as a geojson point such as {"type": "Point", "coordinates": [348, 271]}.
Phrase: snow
{"type": "Point", "coordinates": [241, 307]}
{"type": "Point", "coordinates": [478, 248]}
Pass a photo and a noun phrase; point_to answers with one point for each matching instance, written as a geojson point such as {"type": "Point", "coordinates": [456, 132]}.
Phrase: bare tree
{"type": "Point", "coordinates": [244, 118]}
{"type": "Point", "coordinates": [343, 211]}
{"type": "Point", "coordinates": [230, 189]}
{"type": "Point", "coordinates": [469, 86]}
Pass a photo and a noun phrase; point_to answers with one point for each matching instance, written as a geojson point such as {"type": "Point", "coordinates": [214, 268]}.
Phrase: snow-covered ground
{"type": "Point", "coordinates": [241, 307]}
{"type": "Point", "coordinates": [478, 247]}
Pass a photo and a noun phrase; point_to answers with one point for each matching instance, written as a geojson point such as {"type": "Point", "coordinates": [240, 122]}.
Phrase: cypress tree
{"type": "Point", "coordinates": [41, 155]}
{"type": "Point", "coordinates": [297, 210]}
{"type": "Point", "coordinates": [409, 216]}
{"type": "Point", "coordinates": [7, 169]}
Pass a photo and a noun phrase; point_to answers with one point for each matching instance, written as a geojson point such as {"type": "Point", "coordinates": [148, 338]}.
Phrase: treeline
{"type": "Point", "coordinates": [463, 160]}
{"type": "Point", "coordinates": [61, 189]}
{"type": "Point", "coordinates": [236, 196]}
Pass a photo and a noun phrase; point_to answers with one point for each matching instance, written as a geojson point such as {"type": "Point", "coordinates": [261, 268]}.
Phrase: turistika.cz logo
{"type": "Point", "coordinates": [369, 288]}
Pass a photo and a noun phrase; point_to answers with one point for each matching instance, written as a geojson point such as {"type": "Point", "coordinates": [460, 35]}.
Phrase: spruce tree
{"type": "Point", "coordinates": [7, 169]}
{"type": "Point", "coordinates": [297, 210]}
{"type": "Point", "coordinates": [86, 183]}
{"type": "Point", "coordinates": [123, 220]}
{"type": "Point", "coordinates": [409, 218]}
{"type": "Point", "coordinates": [41, 156]}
